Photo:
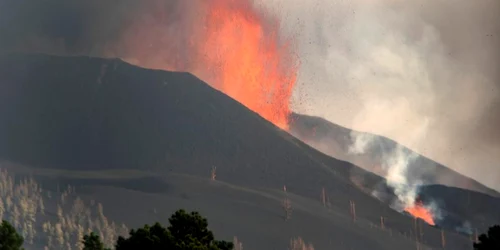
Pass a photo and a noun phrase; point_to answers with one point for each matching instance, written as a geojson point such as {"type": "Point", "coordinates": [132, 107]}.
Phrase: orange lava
{"type": "Point", "coordinates": [233, 45]}
{"type": "Point", "coordinates": [243, 51]}
{"type": "Point", "coordinates": [421, 212]}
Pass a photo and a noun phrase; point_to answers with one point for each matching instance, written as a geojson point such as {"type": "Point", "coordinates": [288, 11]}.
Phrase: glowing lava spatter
{"type": "Point", "coordinates": [234, 45]}
{"type": "Point", "coordinates": [247, 59]}
{"type": "Point", "coordinates": [418, 210]}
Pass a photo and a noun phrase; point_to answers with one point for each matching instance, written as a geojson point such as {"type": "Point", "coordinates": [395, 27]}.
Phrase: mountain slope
{"type": "Point", "coordinates": [471, 205]}
{"type": "Point", "coordinates": [335, 140]}
{"type": "Point", "coordinates": [84, 113]}
{"type": "Point", "coordinates": [252, 214]}
{"type": "Point", "coordinates": [89, 113]}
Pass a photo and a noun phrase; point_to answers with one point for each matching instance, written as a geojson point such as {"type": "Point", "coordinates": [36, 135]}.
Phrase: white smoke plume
{"type": "Point", "coordinates": [396, 164]}
{"type": "Point", "coordinates": [391, 67]}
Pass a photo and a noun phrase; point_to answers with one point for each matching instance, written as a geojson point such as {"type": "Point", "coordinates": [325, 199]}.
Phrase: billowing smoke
{"type": "Point", "coordinates": [391, 67]}
{"type": "Point", "coordinates": [395, 164]}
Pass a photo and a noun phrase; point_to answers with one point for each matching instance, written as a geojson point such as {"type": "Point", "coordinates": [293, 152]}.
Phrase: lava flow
{"type": "Point", "coordinates": [234, 45]}
{"type": "Point", "coordinates": [249, 62]}
{"type": "Point", "coordinates": [418, 210]}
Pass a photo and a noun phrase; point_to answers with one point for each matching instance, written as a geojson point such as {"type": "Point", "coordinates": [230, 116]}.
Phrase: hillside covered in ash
{"type": "Point", "coordinates": [335, 140]}
{"type": "Point", "coordinates": [172, 141]}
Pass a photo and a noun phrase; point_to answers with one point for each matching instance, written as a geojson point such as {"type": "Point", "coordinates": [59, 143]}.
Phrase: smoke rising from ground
{"type": "Point", "coordinates": [388, 67]}
{"type": "Point", "coordinates": [395, 165]}
{"type": "Point", "coordinates": [391, 67]}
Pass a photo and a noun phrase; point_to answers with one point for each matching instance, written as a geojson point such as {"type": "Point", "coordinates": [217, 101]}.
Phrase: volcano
{"type": "Point", "coordinates": [460, 198]}
{"type": "Point", "coordinates": [137, 139]}
{"type": "Point", "coordinates": [334, 140]}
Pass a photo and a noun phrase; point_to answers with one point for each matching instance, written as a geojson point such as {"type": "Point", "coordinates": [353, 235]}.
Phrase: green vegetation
{"type": "Point", "coordinates": [9, 238]}
{"type": "Point", "coordinates": [93, 242]}
{"type": "Point", "coordinates": [187, 231]}
{"type": "Point", "coordinates": [490, 240]}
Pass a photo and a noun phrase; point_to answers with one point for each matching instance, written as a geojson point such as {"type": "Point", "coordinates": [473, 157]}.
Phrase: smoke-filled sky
{"type": "Point", "coordinates": [390, 67]}
{"type": "Point", "coordinates": [396, 67]}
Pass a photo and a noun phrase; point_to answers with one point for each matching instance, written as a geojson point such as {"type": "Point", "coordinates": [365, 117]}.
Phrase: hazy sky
{"type": "Point", "coordinates": [390, 67]}
{"type": "Point", "coordinates": [393, 67]}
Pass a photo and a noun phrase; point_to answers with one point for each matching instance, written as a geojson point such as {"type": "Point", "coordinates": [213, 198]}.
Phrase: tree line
{"type": "Point", "coordinates": [187, 231]}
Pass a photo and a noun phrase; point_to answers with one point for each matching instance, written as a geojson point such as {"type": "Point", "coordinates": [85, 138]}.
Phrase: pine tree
{"type": "Point", "coordinates": [489, 240]}
{"type": "Point", "coordinates": [186, 231]}
{"type": "Point", "coordinates": [10, 239]}
{"type": "Point", "coordinates": [92, 242]}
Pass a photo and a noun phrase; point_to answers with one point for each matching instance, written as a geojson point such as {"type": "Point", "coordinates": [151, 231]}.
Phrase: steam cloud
{"type": "Point", "coordinates": [406, 68]}
{"type": "Point", "coordinates": [424, 73]}
{"type": "Point", "coordinates": [395, 164]}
